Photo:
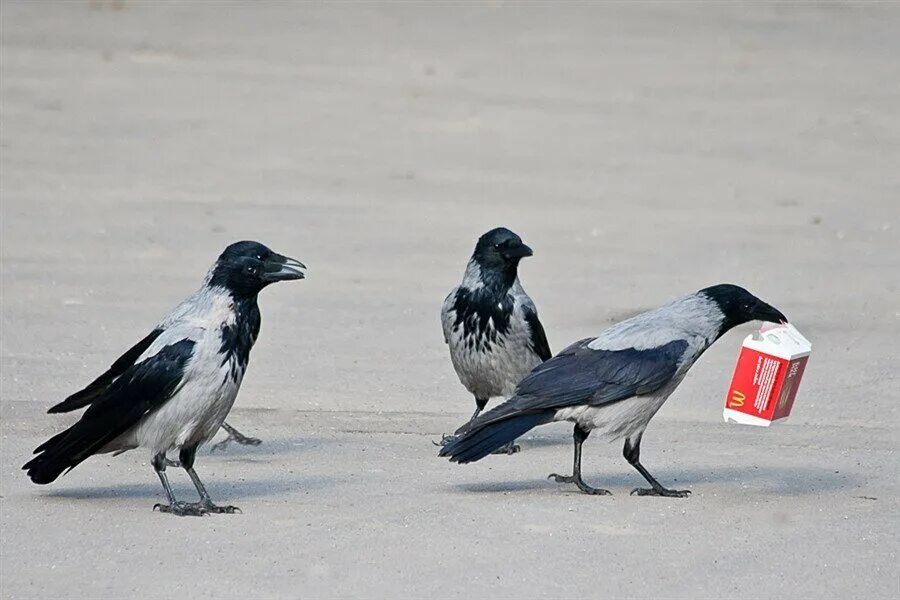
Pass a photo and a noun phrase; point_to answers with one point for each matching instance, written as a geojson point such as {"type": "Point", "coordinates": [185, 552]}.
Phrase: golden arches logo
{"type": "Point", "coordinates": [737, 399]}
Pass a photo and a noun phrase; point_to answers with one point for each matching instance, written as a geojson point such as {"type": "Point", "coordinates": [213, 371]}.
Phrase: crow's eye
{"type": "Point", "coordinates": [259, 257]}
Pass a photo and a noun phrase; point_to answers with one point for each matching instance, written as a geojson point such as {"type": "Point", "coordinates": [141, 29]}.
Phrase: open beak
{"type": "Point", "coordinates": [770, 314]}
{"type": "Point", "coordinates": [516, 250]}
{"type": "Point", "coordinates": [283, 268]}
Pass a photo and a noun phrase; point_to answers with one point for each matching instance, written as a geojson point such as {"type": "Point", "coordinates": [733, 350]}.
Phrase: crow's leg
{"type": "Point", "coordinates": [480, 403]}
{"type": "Point", "coordinates": [235, 436]}
{"type": "Point", "coordinates": [580, 435]}
{"type": "Point", "coordinates": [160, 462]}
{"type": "Point", "coordinates": [187, 455]}
{"type": "Point", "coordinates": [174, 507]}
{"type": "Point", "coordinates": [632, 453]}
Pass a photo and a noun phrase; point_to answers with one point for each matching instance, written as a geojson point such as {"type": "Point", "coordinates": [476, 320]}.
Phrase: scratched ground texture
{"type": "Point", "coordinates": [643, 150]}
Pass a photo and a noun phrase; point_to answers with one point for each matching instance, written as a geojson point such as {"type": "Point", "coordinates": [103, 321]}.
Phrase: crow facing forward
{"type": "Point", "coordinates": [614, 383]}
{"type": "Point", "coordinates": [491, 325]}
{"type": "Point", "coordinates": [174, 388]}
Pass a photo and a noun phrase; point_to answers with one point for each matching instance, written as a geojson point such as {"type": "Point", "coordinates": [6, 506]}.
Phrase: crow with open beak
{"type": "Point", "coordinates": [174, 388]}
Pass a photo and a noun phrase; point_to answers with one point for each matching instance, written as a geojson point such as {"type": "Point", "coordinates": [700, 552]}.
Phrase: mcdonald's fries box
{"type": "Point", "coordinates": [767, 375]}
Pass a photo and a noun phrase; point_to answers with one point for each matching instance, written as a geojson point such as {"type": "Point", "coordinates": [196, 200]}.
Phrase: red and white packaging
{"type": "Point", "coordinates": [767, 375]}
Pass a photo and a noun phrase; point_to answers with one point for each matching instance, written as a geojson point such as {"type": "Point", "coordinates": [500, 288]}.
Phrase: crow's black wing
{"type": "Point", "coordinates": [580, 375]}
{"type": "Point", "coordinates": [538, 338]}
{"type": "Point", "coordinates": [141, 389]}
{"type": "Point", "coordinates": [86, 396]}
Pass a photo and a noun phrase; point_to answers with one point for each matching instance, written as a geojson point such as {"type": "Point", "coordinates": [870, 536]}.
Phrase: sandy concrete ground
{"type": "Point", "coordinates": [643, 150]}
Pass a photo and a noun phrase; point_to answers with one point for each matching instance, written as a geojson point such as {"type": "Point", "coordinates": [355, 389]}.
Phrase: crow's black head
{"type": "Point", "coordinates": [247, 267]}
{"type": "Point", "coordinates": [740, 306]}
{"type": "Point", "coordinates": [500, 250]}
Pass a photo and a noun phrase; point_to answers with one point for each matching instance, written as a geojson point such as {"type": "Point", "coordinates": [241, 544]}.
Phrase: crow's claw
{"type": "Point", "coordinates": [226, 510]}
{"type": "Point", "coordinates": [445, 439]}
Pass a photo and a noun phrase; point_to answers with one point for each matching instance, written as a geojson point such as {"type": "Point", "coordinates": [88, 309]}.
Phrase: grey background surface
{"type": "Point", "coordinates": [643, 150]}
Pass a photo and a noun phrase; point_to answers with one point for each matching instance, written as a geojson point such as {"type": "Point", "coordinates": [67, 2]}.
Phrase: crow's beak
{"type": "Point", "coordinates": [770, 314]}
{"type": "Point", "coordinates": [515, 250]}
{"type": "Point", "coordinates": [282, 268]}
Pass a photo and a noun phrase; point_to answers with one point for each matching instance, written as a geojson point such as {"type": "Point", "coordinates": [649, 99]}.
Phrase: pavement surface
{"type": "Point", "coordinates": [643, 150]}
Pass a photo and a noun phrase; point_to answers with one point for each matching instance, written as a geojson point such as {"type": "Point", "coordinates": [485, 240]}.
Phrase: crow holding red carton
{"type": "Point", "coordinates": [616, 382]}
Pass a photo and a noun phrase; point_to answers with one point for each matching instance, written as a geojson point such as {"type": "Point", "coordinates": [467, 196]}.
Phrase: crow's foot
{"type": "Point", "coordinates": [235, 436]}
{"type": "Point", "coordinates": [225, 510]}
{"type": "Point", "coordinates": [445, 439]}
{"type": "Point", "coordinates": [195, 509]}
{"type": "Point", "coordinates": [579, 482]}
{"type": "Point", "coordinates": [182, 509]}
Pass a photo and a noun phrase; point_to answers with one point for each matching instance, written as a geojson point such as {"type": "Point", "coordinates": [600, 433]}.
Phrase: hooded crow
{"type": "Point", "coordinates": [615, 383]}
{"type": "Point", "coordinates": [174, 388]}
{"type": "Point", "coordinates": [491, 324]}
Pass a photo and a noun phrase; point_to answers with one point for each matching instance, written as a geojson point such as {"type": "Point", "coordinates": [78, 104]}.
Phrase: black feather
{"type": "Point", "coordinates": [538, 338]}
{"type": "Point", "coordinates": [84, 397]}
{"type": "Point", "coordinates": [239, 337]}
{"type": "Point", "coordinates": [474, 310]}
{"type": "Point", "coordinates": [581, 375]}
{"type": "Point", "coordinates": [121, 405]}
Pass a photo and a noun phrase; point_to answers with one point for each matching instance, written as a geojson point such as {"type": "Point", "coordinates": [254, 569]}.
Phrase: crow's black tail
{"type": "Point", "coordinates": [61, 452]}
{"type": "Point", "coordinates": [116, 406]}
{"type": "Point", "coordinates": [476, 443]}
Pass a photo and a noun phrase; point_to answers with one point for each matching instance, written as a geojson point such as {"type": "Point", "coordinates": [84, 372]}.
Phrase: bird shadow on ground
{"type": "Point", "coordinates": [221, 491]}
{"type": "Point", "coordinates": [783, 481]}
{"type": "Point", "coordinates": [219, 488]}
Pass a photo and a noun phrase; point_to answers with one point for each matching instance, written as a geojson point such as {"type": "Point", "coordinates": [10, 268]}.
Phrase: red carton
{"type": "Point", "coordinates": [767, 375]}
